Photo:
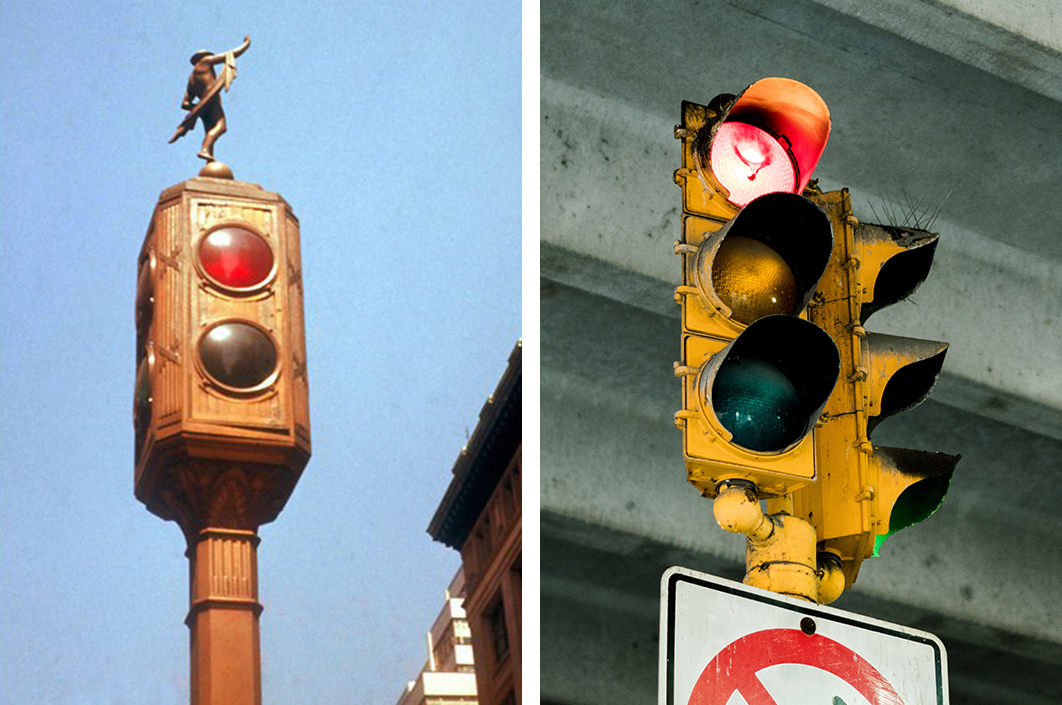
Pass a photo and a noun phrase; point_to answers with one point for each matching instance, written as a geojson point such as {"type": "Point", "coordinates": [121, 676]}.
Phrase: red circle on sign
{"type": "Point", "coordinates": [735, 668]}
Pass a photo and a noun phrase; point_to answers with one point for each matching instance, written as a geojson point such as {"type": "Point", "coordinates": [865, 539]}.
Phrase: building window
{"type": "Point", "coordinates": [498, 633]}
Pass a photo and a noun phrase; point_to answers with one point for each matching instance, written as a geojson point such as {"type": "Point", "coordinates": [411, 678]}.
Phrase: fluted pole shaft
{"type": "Point", "coordinates": [223, 618]}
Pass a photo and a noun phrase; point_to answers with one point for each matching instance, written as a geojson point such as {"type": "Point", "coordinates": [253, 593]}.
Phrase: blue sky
{"type": "Point", "coordinates": [393, 129]}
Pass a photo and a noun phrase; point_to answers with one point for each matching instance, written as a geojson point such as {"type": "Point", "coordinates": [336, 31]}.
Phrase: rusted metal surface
{"type": "Point", "coordinates": [781, 553]}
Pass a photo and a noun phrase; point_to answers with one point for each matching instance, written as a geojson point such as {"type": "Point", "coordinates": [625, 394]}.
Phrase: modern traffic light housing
{"type": "Point", "coordinates": [780, 405]}
{"type": "Point", "coordinates": [864, 493]}
{"type": "Point", "coordinates": [765, 260]}
{"type": "Point", "coordinates": [756, 374]}
{"type": "Point", "coordinates": [749, 361]}
{"type": "Point", "coordinates": [221, 383]}
{"type": "Point", "coordinates": [750, 404]}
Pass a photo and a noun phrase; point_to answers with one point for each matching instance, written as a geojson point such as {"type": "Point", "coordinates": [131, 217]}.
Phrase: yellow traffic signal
{"type": "Point", "coordinates": [221, 386]}
{"type": "Point", "coordinates": [864, 493]}
{"type": "Point", "coordinates": [756, 374]}
{"type": "Point", "coordinates": [782, 384]}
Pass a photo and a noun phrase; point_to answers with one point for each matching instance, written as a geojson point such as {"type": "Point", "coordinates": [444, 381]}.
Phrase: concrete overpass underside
{"type": "Point", "coordinates": [926, 102]}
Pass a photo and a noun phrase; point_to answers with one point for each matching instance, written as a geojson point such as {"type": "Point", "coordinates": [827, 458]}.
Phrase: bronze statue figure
{"type": "Point", "coordinates": [206, 86]}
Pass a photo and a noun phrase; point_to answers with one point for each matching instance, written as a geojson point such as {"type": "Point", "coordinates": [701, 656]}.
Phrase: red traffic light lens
{"type": "Point", "coordinates": [750, 162]}
{"type": "Point", "coordinates": [239, 355]}
{"type": "Point", "coordinates": [236, 258]}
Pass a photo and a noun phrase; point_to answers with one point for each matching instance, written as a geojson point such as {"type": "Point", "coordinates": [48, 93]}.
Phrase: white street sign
{"type": "Point", "coordinates": [725, 643]}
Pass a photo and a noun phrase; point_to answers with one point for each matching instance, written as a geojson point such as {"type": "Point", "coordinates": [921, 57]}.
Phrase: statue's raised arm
{"type": "Point", "coordinates": [202, 99]}
{"type": "Point", "coordinates": [218, 58]}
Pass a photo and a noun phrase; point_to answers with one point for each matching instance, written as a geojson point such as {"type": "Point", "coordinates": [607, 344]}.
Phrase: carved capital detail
{"type": "Point", "coordinates": [198, 494]}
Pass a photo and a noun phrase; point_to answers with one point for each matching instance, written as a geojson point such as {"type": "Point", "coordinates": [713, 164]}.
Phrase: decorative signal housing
{"type": "Point", "coordinates": [222, 397]}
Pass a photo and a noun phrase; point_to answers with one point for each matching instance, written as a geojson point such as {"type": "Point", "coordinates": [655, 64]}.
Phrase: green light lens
{"type": "Point", "coordinates": [757, 403]}
{"type": "Point", "coordinates": [915, 504]}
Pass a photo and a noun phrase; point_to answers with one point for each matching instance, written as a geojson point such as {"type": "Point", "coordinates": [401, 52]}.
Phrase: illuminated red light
{"type": "Point", "coordinates": [750, 162]}
{"type": "Point", "coordinates": [236, 258]}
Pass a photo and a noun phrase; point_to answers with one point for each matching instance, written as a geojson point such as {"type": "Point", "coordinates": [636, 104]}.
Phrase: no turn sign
{"type": "Point", "coordinates": [724, 643]}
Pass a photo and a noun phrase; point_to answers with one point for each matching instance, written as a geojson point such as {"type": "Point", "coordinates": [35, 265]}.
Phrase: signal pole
{"type": "Point", "coordinates": [221, 405]}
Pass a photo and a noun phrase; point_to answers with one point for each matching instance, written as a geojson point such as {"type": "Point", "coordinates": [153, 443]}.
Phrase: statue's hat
{"type": "Point", "coordinates": [199, 55]}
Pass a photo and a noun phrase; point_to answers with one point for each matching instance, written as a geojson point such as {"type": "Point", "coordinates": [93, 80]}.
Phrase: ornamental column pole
{"type": "Point", "coordinates": [223, 618]}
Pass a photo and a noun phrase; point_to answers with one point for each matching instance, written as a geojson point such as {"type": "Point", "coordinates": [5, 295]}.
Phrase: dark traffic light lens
{"type": "Point", "coordinates": [236, 258]}
{"type": "Point", "coordinates": [145, 293]}
{"type": "Point", "coordinates": [142, 396]}
{"type": "Point", "coordinates": [757, 403]}
{"type": "Point", "coordinates": [142, 405]}
{"type": "Point", "coordinates": [916, 503]}
{"type": "Point", "coordinates": [238, 355]}
{"type": "Point", "coordinates": [753, 280]}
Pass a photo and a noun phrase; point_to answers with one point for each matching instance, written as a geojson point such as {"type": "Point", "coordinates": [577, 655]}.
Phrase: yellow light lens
{"type": "Point", "coordinates": [753, 280]}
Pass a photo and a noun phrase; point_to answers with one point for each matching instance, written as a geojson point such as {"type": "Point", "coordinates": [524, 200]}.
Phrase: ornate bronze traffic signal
{"type": "Point", "coordinates": [222, 392]}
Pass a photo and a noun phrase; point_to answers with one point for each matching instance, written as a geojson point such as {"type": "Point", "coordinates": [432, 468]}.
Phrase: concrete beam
{"type": "Point", "coordinates": [600, 612]}
{"type": "Point", "coordinates": [905, 116]}
{"type": "Point", "coordinates": [989, 555]}
{"type": "Point", "coordinates": [607, 193]}
{"type": "Point", "coordinates": [637, 290]}
{"type": "Point", "coordinates": [1016, 41]}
